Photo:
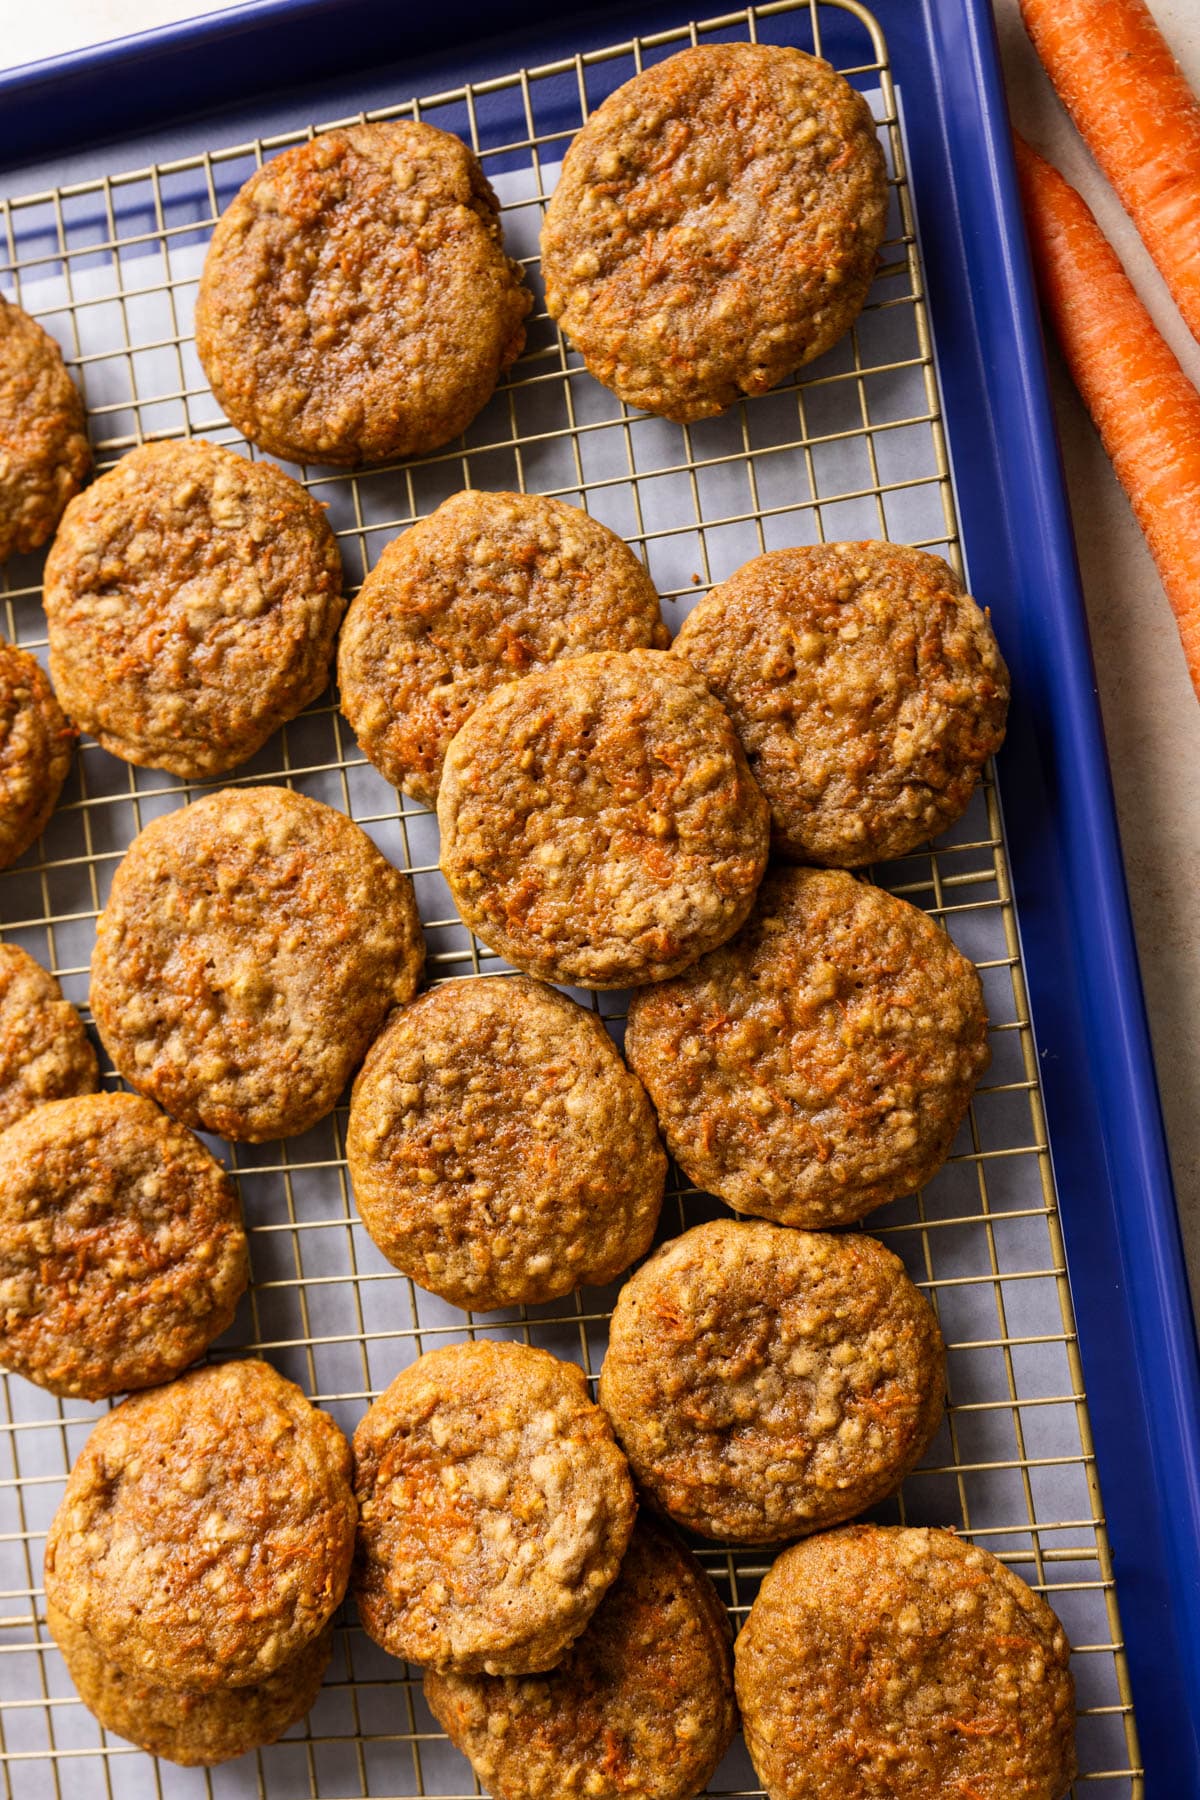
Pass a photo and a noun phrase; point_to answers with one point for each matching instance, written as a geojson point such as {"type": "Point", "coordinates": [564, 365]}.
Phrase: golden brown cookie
{"type": "Point", "coordinates": [640, 1708]}
{"type": "Point", "coordinates": [599, 823]}
{"type": "Point", "coordinates": [866, 686]}
{"type": "Point", "coordinates": [44, 451]}
{"type": "Point", "coordinates": [488, 588]}
{"type": "Point", "coordinates": [715, 225]}
{"type": "Point", "coordinates": [356, 302]}
{"type": "Point", "coordinates": [767, 1383]}
{"type": "Point", "coordinates": [821, 1063]}
{"type": "Point", "coordinates": [36, 744]}
{"type": "Point", "coordinates": [501, 1152]}
{"type": "Point", "coordinates": [495, 1509]}
{"type": "Point", "coordinates": [45, 1053]}
{"type": "Point", "coordinates": [122, 1252]}
{"type": "Point", "coordinates": [190, 1726]}
{"type": "Point", "coordinates": [251, 946]}
{"type": "Point", "coordinates": [904, 1663]}
{"type": "Point", "coordinates": [192, 599]}
{"type": "Point", "coordinates": [207, 1530]}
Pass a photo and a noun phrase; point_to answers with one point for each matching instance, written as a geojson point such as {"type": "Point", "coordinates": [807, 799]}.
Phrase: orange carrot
{"type": "Point", "coordinates": [1115, 74]}
{"type": "Point", "coordinates": [1146, 410]}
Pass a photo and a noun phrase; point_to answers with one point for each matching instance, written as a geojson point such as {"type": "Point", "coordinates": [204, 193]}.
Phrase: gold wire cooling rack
{"type": "Point", "coordinates": [855, 449]}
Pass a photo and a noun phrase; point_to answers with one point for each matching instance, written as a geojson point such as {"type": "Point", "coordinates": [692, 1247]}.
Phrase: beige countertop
{"type": "Point", "coordinates": [1151, 716]}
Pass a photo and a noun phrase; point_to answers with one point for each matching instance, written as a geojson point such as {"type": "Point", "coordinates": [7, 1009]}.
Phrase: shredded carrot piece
{"type": "Point", "coordinates": [980, 1728]}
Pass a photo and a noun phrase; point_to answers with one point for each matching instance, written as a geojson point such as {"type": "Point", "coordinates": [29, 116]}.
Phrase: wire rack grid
{"type": "Point", "coordinates": [853, 449]}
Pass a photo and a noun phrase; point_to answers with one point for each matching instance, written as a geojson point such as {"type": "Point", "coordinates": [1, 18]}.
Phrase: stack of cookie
{"type": "Point", "coordinates": [567, 1650]}
{"type": "Point", "coordinates": [194, 1566]}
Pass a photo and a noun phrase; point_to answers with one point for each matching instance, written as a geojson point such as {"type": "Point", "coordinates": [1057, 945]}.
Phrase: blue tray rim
{"type": "Point", "coordinates": [1136, 1326]}
{"type": "Point", "coordinates": [206, 64]}
{"type": "Point", "coordinates": [1137, 1331]}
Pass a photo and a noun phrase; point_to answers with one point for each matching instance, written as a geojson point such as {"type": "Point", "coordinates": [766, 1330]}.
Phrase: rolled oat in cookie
{"type": "Point", "coordinates": [356, 302]}
{"type": "Point", "coordinates": [904, 1662]}
{"type": "Point", "coordinates": [45, 1053]}
{"type": "Point", "coordinates": [640, 1708]}
{"type": "Point", "coordinates": [495, 1508]}
{"type": "Point", "coordinates": [188, 1726]}
{"type": "Point", "coordinates": [252, 945]}
{"type": "Point", "coordinates": [766, 1383]}
{"type": "Point", "coordinates": [488, 588]}
{"type": "Point", "coordinates": [44, 452]}
{"type": "Point", "coordinates": [501, 1152]}
{"type": "Point", "coordinates": [36, 745]}
{"type": "Point", "coordinates": [820, 1064]}
{"type": "Point", "coordinates": [715, 225]}
{"type": "Point", "coordinates": [122, 1251]}
{"type": "Point", "coordinates": [599, 823]}
{"type": "Point", "coordinates": [207, 1529]}
{"type": "Point", "coordinates": [192, 598]}
{"type": "Point", "coordinates": [866, 686]}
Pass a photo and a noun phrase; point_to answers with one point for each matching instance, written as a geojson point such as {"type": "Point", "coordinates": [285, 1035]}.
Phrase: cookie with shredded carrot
{"type": "Point", "coordinates": [192, 598]}
{"type": "Point", "coordinates": [356, 302]}
{"type": "Point", "coordinates": [716, 224]}
{"type": "Point", "coordinates": [820, 1064]}
{"type": "Point", "coordinates": [903, 1662]}
{"type": "Point", "coordinates": [44, 451]}
{"type": "Point", "coordinates": [767, 1383]}
{"type": "Point", "coordinates": [866, 686]}
{"type": "Point", "coordinates": [122, 1252]}
{"type": "Point", "coordinates": [251, 947]}
{"type": "Point", "coordinates": [495, 1508]}
{"type": "Point", "coordinates": [188, 1726]}
{"type": "Point", "coordinates": [642, 1703]}
{"type": "Point", "coordinates": [486, 589]}
{"type": "Point", "coordinates": [207, 1529]}
{"type": "Point", "coordinates": [36, 745]}
{"type": "Point", "coordinates": [501, 1152]}
{"type": "Point", "coordinates": [45, 1053]}
{"type": "Point", "coordinates": [600, 825]}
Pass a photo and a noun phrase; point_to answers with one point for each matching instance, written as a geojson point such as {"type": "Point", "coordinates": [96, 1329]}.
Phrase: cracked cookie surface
{"type": "Point", "coordinates": [36, 745]}
{"type": "Point", "coordinates": [715, 225]}
{"type": "Point", "coordinates": [904, 1662]}
{"type": "Point", "coordinates": [501, 1152]}
{"type": "Point", "coordinates": [207, 1529]}
{"type": "Point", "coordinates": [192, 598]}
{"type": "Point", "coordinates": [45, 1053]}
{"type": "Point", "coordinates": [495, 1509]}
{"type": "Point", "coordinates": [356, 302]}
{"type": "Point", "coordinates": [766, 1383]}
{"type": "Point", "coordinates": [866, 686]}
{"type": "Point", "coordinates": [252, 945]}
{"type": "Point", "coordinates": [600, 825]}
{"type": "Point", "coordinates": [44, 452]}
{"type": "Point", "coordinates": [820, 1064]}
{"type": "Point", "coordinates": [122, 1251]}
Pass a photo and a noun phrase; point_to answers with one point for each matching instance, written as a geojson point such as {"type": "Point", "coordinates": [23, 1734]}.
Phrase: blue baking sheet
{"type": "Point", "coordinates": [1092, 1057]}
